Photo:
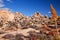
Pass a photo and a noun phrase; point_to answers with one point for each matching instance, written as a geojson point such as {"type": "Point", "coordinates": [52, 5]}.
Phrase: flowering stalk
{"type": "Point", "coordinates": [56, 26]}
{"type": "Point", "coordinates": [55, 17]}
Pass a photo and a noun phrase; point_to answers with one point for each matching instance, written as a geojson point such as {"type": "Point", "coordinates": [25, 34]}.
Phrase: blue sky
{"type": "Point", "coordinates": [29, 7]}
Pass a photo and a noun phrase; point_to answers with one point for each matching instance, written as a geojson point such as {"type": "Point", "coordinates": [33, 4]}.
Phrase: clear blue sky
{"type": "Point", "coordinates": [28, 7]}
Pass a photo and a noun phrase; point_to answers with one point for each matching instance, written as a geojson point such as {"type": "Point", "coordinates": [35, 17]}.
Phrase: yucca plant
{"type": "Point", "coordinates": [55, 17]}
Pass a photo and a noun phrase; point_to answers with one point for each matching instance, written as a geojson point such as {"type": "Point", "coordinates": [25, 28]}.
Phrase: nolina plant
{"type": "Point", "coordinates": [55, 17]}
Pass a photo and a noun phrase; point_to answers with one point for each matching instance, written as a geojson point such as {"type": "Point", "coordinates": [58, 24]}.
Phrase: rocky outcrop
{"type": "Point", "coordinates": [16, 26]}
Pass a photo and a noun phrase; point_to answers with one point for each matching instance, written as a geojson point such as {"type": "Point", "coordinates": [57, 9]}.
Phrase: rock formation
{"type": "Point", "coordinates": [16, 26]}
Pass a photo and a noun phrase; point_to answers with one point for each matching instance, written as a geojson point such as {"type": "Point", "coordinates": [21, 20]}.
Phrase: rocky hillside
{"type": "Point", "coordinates": [16, 26]}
